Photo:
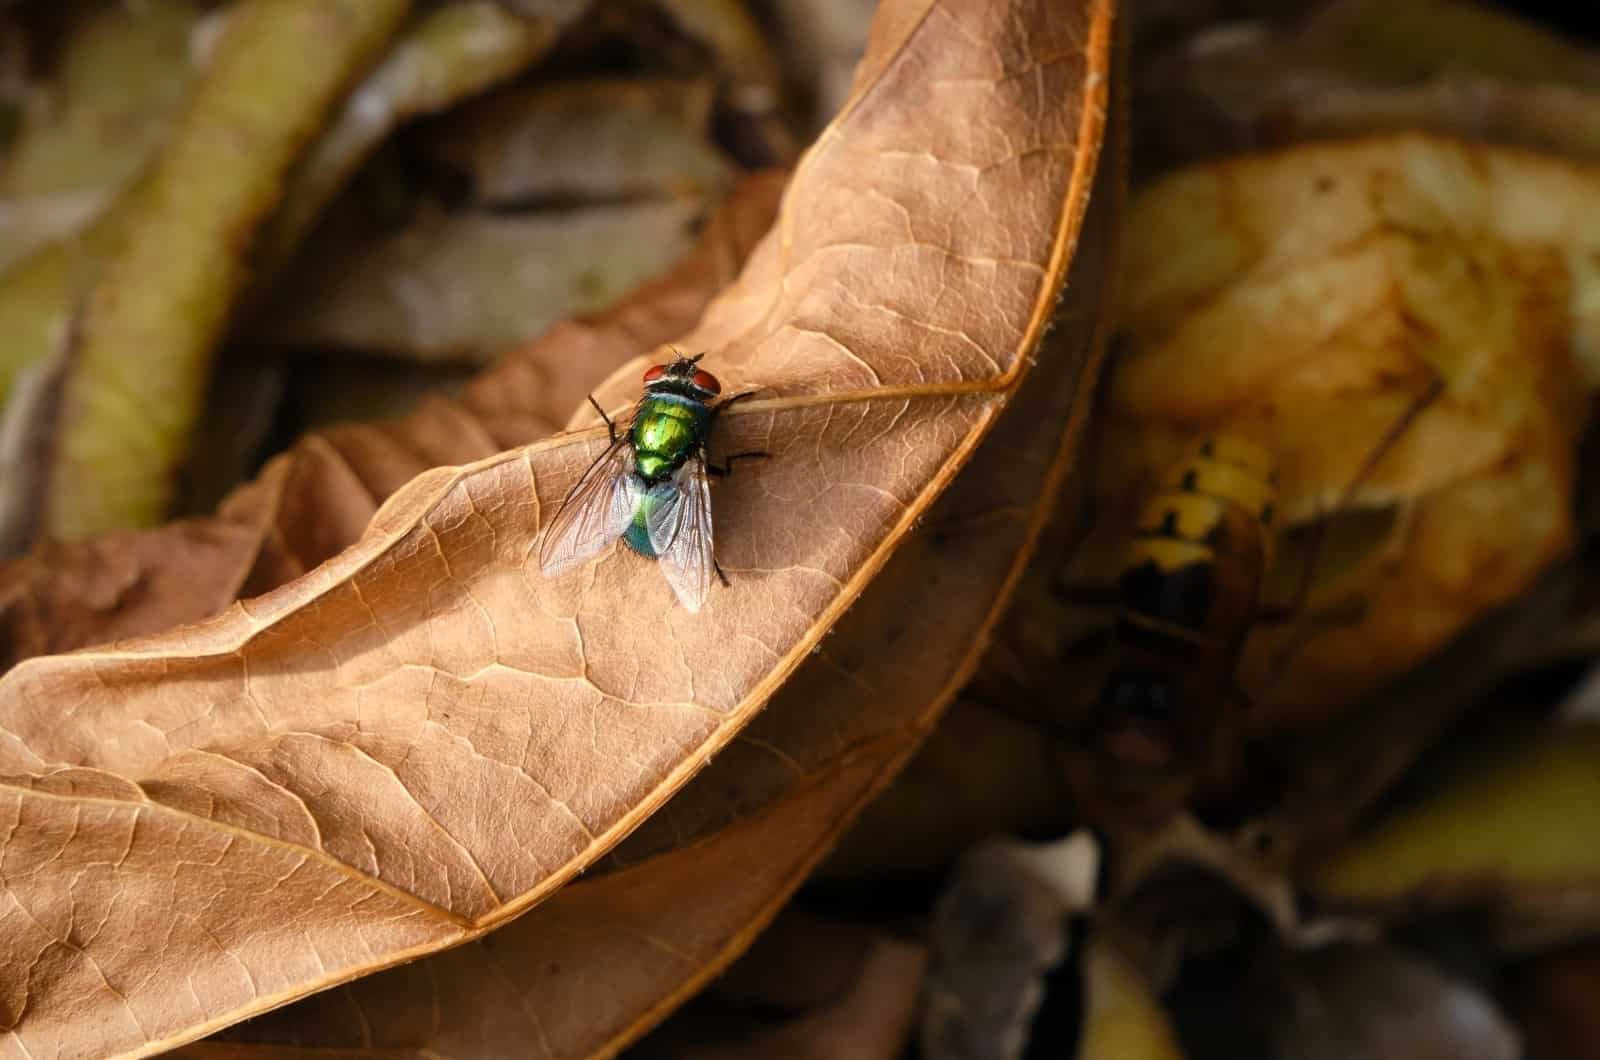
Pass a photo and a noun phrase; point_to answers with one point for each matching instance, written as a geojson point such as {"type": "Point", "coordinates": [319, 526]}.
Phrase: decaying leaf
{"type": "Point", "coordinates": [739, 46]}
{"type": "Point", "coordinates": [589, 141]}
{"type": "Point", "coordinates": [1334, 771]}
{"type": "Point", "coordinates": [1123, 1020]}
{"type": "Point", "coordinates": [825, 39]}
{"type": "Point", "coordinates": [169, 285]}
{"type": "Point", "coordinates": [532, 983]}
{"type": "Point", "coordinates": [465, 287]}
{"type": "Point", "coordinates": [1327, 291]}
{"type": "Point", "coordinates": [1368, 66]}
{"type": "Point", "coordinates": [117, 81]}
{"type": "Point", "coordinates": [316, 499]}
{"type": "Point", "coordinates": [423, 737]}
{"type": "Point", "coordinates": [1541, 117]}
{"type": "Point", "coordinates": [1512, 826]}
{"type": "Point", "coordinates": [32, 406]}
{"type": "Point", "coordinates": [451, 53]}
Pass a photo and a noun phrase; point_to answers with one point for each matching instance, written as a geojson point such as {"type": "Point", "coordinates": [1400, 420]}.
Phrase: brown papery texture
{"type": "Point", "coordinates": [317, 498]}
{"type": "Point", "coordinates": [423, 737]}
{"type": "Point", "coordinates": [704, 874]}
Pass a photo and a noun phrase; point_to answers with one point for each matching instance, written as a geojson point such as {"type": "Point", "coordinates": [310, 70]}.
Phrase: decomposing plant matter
{"type": "Point", "coordinates": [1221, 542]}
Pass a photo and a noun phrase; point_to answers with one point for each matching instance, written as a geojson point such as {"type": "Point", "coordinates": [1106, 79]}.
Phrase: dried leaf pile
{"type": "Point", "coordinates": [302, 305]}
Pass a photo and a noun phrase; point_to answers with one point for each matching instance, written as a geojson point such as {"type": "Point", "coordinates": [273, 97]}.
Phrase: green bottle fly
{"type": "Point", "coordinates": [651, 486]}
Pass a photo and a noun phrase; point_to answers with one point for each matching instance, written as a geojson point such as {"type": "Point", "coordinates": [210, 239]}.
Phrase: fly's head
{"type": "Point", "coordinates": [684, 377]}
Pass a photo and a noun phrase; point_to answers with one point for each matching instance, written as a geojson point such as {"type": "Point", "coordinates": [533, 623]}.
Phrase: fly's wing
{"type": "Point", "coordinates": [678, 517]}
{"type": "Point", "coordinates": [595, 512]}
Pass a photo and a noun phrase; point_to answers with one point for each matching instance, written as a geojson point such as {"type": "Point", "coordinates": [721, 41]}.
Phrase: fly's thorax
{"type": "Point", "coordinates": [667, 429]}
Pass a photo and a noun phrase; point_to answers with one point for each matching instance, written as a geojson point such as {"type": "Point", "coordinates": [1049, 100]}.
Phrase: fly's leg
{"type": "Point", "coordinates": [725, 469]}
{"type": "Point", "coordinates": [728, 402]}
{"type": "Point", "coordinates": [611, 428]}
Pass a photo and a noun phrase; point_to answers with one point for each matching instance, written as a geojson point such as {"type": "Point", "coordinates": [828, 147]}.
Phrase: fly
{"type": "Point", "coordinates": [651, 487]}
{"type": "Point", "coordinates": [1159, 729]}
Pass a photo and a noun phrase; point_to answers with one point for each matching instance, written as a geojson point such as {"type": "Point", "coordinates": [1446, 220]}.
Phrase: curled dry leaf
{"type": "Point", "coordinates": [172, 279]}
{"type": "Point", "coordinates": [460, 288]}
{"type": "Point", "coordinates": [703, 875]}
{"type": "Point", "coordinates": [532, 983]}
{"type": "Point", "coordinates": [423, 737]}
{"type": "Point", "coordinates": [317, 498]}
{"type": "Point", "coordinates": [1312, 300]}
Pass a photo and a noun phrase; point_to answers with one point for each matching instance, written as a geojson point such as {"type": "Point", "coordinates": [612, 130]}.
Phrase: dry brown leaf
{"type": "Point", "coordinates": [528, 989]}
{"type": "Point", "coordinates": [422, 738]}
{"type": "Point", "coordinates": [1362, 66]}
{"type": "Point", "coordinates": [606, 139]}
{"type": "Point", "coordinates": [1542, 117]}
{"type": "Point", "coordinates": [787, 785]}
{"type": "Point", "coordinates": [317, 498]}
{"type": "Point", "coordinates": [461, 288]}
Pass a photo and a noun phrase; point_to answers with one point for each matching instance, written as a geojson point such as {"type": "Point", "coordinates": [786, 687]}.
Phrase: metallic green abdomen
{"type": "Point", "coordinates": [637, 536]}
{"type": "Point", "coordinates": [666, 431]}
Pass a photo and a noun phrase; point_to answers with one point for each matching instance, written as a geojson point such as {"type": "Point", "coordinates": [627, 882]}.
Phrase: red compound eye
{"type": "Point", "coordinates": [654, 372]}
{"type": "Point", "coordinates": [707, 382]}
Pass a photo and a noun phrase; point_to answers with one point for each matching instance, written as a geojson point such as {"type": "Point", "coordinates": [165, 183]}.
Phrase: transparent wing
{"type": "Point", "coordinates": [678, 516]}
{"type": "Point", "coordinates": [595, 512]}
